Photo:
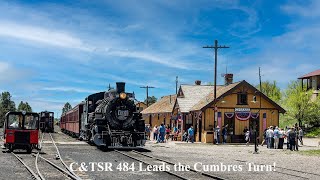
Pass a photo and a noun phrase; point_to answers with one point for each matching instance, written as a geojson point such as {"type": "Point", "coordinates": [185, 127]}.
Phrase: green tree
{"type": "Point", "coordinates": [24, 107]}
{"type": "Point", "coordinates": [6, 105]}
{"type": "Point", "coordinates": [271, 90]}
{"type": "Point", "coordinates": [151, 100]}
{"type": "Point", "coordinates": [299, 104]}
{"type": "Point", "coordinates": [66, 107]}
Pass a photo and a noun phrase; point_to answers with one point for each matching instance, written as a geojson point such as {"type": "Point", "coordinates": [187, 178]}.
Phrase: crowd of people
{"type": "Point", "coordinates": [274, 137]}
{"type": "Point", "coordinates": [163, 133]}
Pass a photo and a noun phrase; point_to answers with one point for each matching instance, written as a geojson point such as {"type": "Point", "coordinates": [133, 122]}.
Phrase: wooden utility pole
{"type": "Point", "coordinates": [176, 84]}
{"type": "Point", "coordinates": [256, 128]}
{"type": "Point", "coordinates": [147, 87]}
{"type": "Point", "coordinates": [260, 88]}
{"type": "Point", "coordinates": [215, 47]}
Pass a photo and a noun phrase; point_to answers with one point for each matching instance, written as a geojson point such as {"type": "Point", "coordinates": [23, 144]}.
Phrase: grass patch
{"type": "Point", "coordinates": [315, 132]}
{"type": "Point", "coordinates": [311, 152]}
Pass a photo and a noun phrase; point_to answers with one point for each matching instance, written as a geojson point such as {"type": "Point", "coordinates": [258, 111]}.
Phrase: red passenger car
{"type": "Point", "coordinates": [70, 121]}
{"type": "Point", "coordinates": [21, 131]}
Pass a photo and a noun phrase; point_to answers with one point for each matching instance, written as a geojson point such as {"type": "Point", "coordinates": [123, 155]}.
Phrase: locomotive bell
{"type": "Point", "coordinates": [120, 87]}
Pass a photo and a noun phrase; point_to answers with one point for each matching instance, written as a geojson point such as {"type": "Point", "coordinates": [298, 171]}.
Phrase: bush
{"type": "Point", "coordinates": [315, 132]}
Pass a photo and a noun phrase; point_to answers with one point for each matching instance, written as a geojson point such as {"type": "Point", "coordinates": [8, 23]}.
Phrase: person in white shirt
{"type": "Point", "coordinates": [270, 136]}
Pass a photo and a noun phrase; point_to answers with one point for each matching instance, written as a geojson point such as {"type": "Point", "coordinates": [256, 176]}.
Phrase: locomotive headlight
{"type": "Point", "coordinates": [123, 95]}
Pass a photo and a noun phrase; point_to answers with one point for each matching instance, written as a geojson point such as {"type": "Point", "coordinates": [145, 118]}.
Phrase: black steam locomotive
{"type": "Point", "coordinates": [108, 119]}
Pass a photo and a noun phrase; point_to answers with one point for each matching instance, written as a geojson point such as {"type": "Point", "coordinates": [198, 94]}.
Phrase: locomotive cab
{"type": "Point", "coordinates": [21, 131]}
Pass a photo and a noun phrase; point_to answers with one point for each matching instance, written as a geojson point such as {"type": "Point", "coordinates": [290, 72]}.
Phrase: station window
{"type": "Point", "coordinates": [242, 99]}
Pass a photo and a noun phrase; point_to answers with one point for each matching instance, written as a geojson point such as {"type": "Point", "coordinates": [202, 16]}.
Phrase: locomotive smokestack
{"type": "Point", "coordinates": [120, 87]}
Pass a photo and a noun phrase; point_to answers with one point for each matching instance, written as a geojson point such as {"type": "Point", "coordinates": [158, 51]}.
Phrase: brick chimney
{"type": "Point", "coordinates": [228, 79]}
{"type": "Point", "coordinates": [197, 82]}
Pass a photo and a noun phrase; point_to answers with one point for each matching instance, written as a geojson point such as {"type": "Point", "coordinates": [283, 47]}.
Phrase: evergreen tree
{"type": "Point", "coordinates": [66, 107]}
{"type": "Point", "coordinates": [6, 105]}
{"type": "Point", "coordinates": [24, 107]}
{"type": "Point", "coordinates": [151, 100]}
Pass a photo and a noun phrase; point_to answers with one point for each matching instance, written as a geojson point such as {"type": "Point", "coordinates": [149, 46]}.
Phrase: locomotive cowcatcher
{"type": "Point", "coordinates": [47, 121]}
{"type": "Point", "coordinates": [21, 131]}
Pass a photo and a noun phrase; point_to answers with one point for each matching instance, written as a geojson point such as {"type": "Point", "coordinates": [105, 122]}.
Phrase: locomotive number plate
{"type": "Point", "coordinates": [123, 113]}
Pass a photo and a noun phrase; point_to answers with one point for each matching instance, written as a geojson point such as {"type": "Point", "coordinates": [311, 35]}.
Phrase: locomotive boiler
{"type": "Point", "coordinates": [107, 119]}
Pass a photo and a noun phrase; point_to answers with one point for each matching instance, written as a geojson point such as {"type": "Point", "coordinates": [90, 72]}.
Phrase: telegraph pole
{"type": "Point", "coordinates": [147, 87]}
{"type": "Point", "coordinates": [176, 84]}
{"type": "Point", "coordinates": [215, 47]}
{"type": "Point", "coordinates": [255, 133]}
{"type": "Point", "coordinates": [260, 87]}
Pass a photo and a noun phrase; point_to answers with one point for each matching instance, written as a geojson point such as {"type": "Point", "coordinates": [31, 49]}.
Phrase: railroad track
{"type": "Point", "coordinates": [61, 160]}
{"type": "Point", "coordinates": [291, 172]}
{"type": "Point", "coordinates": [39, 175]}
{"type": "Point", "coordinates": [150, 160]}
{"type": "Point", "coordinates": [33, 174]}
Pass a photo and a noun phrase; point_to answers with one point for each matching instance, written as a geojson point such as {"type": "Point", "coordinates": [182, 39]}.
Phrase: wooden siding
{"type": "Point", "coordinates": [154, 120]}
{"type": "Point", "coordinates": [272, 114]}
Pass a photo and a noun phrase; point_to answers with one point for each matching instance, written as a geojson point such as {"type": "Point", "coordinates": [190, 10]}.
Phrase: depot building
{"type": "Point", "coordinates": [238, 105]}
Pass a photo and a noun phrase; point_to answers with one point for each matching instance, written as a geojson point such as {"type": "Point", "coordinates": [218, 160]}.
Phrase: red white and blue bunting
{"type": "Point", "coordinates": [255, 115]}
{"type": "Point", "coordinates": [229, 114]}
{"type": "Point", "coordinates": [243, 116]}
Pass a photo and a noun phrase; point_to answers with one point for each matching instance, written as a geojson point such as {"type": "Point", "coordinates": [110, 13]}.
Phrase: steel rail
{"type": "Point", "coordinates": [288, 169]}
{"type": "Point", "coordinates": [173, 174]}
{"type": "Point", "coordinates": [58, 168]}
{"type": "Point", "coordinates": [37, 168]}
{"type": "Point", "coordinates": [36, 160]}
{"type": "Point", "coordinates": [193, 170]}
{"type": "Point", "coordinates": [61, 160]}
{"type": "Point", "coordinates": [27, 167]}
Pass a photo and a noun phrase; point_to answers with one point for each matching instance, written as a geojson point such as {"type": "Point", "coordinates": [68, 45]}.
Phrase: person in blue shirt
{"type": "Point", "coordinates": [175, 129]}
{"type": "Point", "coordinates": [162, 132]}
{"type": "Point", "coordinates": [191, 134]}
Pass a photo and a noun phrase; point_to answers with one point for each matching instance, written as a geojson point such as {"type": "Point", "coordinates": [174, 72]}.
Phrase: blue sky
{"type": "Point", "coordinates": [58, 51]}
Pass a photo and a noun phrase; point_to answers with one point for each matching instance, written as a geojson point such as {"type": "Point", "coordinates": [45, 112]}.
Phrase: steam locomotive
{"type": "Point", "coordinates": [107, 119]}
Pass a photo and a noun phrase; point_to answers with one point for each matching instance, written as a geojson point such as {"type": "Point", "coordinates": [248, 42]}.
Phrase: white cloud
{"type": "Point", "coordinates": [10, 74]}
{"type": "Point", "coordinates": [310, 10]}
{"type": "Point", "coordinates": [145, 56]}
{"type": "Point", "coordinates": [42, 36]}
{"type": "Point", "coordinates": [69, 89]}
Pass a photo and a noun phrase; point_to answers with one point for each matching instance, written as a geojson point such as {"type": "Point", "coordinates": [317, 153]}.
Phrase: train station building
{"type": "Point", "coordinates": [238, 105]}
{"type": "Point", "coordinates": [312, 82]}
{"type": "Point", "coordinates": [141, 106]}
{"type": "Point", "coordinates": [160, 112]}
